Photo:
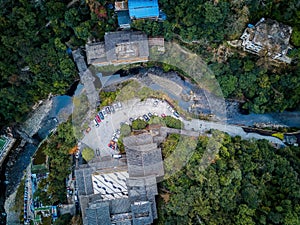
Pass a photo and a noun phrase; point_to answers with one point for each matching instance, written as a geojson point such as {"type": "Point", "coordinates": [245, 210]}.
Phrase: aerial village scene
{"type": "Point", "coordinates": [139, 112]}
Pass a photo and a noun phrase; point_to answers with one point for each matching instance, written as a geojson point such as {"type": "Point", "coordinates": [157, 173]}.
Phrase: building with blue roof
{"type": "Point", "coordinates": [141, 9]}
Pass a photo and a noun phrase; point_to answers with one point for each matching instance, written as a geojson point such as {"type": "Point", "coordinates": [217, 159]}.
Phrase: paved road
{"type": "Point", "coordinates": [99, 137]}
{"type": "Point", "coordinates": [202, 126]}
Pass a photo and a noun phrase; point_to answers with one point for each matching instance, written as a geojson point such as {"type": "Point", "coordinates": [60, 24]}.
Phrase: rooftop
{"type": "Point", "coordinates": [143, 156]}
{"type": "Point", "coordinates": [120, 47]}
{"type": "Point", "coordinates": [110, 185]}
{"type": "Point", "coordinates": [268, 37]}
{"type": "Point", "coordinates": [109, 194]}
{"type": "Point", "coordinates": [139, 9]}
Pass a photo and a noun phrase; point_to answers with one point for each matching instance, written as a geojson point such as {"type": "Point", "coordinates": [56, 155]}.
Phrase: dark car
{"type": "Point", "coordinates": [176, 114]}
{"type": "Point", "coordinates": [107, 109]}
{"type": "Point", "coordinates": [150, 114]}
{"type": "Point", "coordinates": [101, 115]}
{"type": "Point", "coordinates": [111, 146]}
{"type": "Point", "coordinates": [146, 117]}
{"type": "Point", "coordinates": [112, 109]}
{"type": "Point", "coordinates": [131, 119]}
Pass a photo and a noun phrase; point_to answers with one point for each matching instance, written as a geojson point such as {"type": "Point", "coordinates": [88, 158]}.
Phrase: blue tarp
{"type": "Point", "coordinates": [139, 9]}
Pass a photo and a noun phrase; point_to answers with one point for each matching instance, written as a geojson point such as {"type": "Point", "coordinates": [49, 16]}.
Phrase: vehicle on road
{"type": "Point", "coordinates": [155, 103]}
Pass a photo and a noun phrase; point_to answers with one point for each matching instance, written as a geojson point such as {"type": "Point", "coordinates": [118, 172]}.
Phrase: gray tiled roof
{"type": "Point", "coordinates": [137, 206]}
{"type": "Point", "coordinates": [98, 214]}
{"type": "Point", "coordinates": [142, 213]}
{"type": "Point", "coordinates": [134, 42]}
{"type": "Point", "coordinates": [143, 156]}
{"type": "Point", "coordinates": [119, 47]}
{"type": "Point", "coordinates": [95, 52]}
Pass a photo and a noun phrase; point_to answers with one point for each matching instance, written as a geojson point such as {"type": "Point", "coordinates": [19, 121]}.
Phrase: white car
{"type": "Point", "coordinates": [96, 123]}
{"type": "Point", "coordinates": [170, 109]}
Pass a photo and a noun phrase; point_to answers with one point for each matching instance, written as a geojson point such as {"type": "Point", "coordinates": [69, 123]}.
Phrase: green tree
{"type": "Point", "coordinates": [139, 124]}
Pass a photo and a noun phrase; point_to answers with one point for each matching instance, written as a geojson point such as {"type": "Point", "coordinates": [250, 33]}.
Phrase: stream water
{"type": "Point", "coordinates": [13, 168]}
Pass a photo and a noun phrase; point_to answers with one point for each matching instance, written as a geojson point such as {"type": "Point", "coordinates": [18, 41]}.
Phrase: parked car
{"type": "Point", "coordinates": [131, 119]}
{"type": "Point", "coordinates": [98, 118]}
{"type": "Point", "coordinates": [176, 114]}
{"type": "Point", "coordinates": [112, 109]}
{"type": "Point", "coordinates": [111, 146]}
{"type": "Point", "coordinates": [115, 134]}
{"type": "Point", "coordinates": [101, 115]}
{"type": "Point", "coordinates": [117, 156]}
{"type": "Point", "coordinates": [107, 109]}
{"type": "Point", "coordinates": [150, 114]}
{"type": "Point", "coordinates": [118, 131]}
{"type": "Point", "coordinates": [77, 155]}
{"type": "Point", "coordinates": [155, 103]}
{"type": "Point", "coordinates": [114, 138]}
{"type": "Point", "coordinates": [96, 123]}
{"type": "Point", "coordinates": [171, 109]}
{"type": "Point", "coordinates": [119, 104]}
{"type": "Point", "coordinates": [163, 115]}
{"type": "Point", "coordinates": [104, 112]}
{"type": "Point", "coordinates": [146, 118]}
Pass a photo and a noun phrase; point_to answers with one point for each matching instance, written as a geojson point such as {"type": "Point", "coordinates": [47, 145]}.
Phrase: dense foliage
{"type": "Point", "coordinates": [139, 124]}
{"type": "Point", "coordinates": [261, 89]}
{"type": "Point", "coordinates": [33, 59]}
{"type": "Point", "coordinates": [247, 182]}
{"type": "Point", "coordinates": [52, 190]}
{"type": "Point", "coordinates": [203, 26]}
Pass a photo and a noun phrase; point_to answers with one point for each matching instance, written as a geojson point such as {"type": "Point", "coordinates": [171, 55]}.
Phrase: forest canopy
{"type": "Point", "coordinates": [248, 182]}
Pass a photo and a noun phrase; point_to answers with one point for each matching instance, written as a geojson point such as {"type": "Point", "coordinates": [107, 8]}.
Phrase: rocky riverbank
{"type": "Point", "coordinates": [42, 120]}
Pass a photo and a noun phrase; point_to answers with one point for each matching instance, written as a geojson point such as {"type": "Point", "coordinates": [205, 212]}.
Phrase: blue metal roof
{"type": "Point", "coordinates": [139, 9]}
{"type": "Point", "coordinates": [123, 18]}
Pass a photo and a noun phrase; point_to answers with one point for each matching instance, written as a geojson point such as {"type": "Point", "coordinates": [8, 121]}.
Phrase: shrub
{"type": "Point", "coordinates": [139, 124]}
{"type": "Point", "coordinates": [88, 154]}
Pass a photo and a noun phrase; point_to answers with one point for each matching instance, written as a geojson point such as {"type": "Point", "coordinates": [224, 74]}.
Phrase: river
{"type": "Point", "coordinates": [18, 160]}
